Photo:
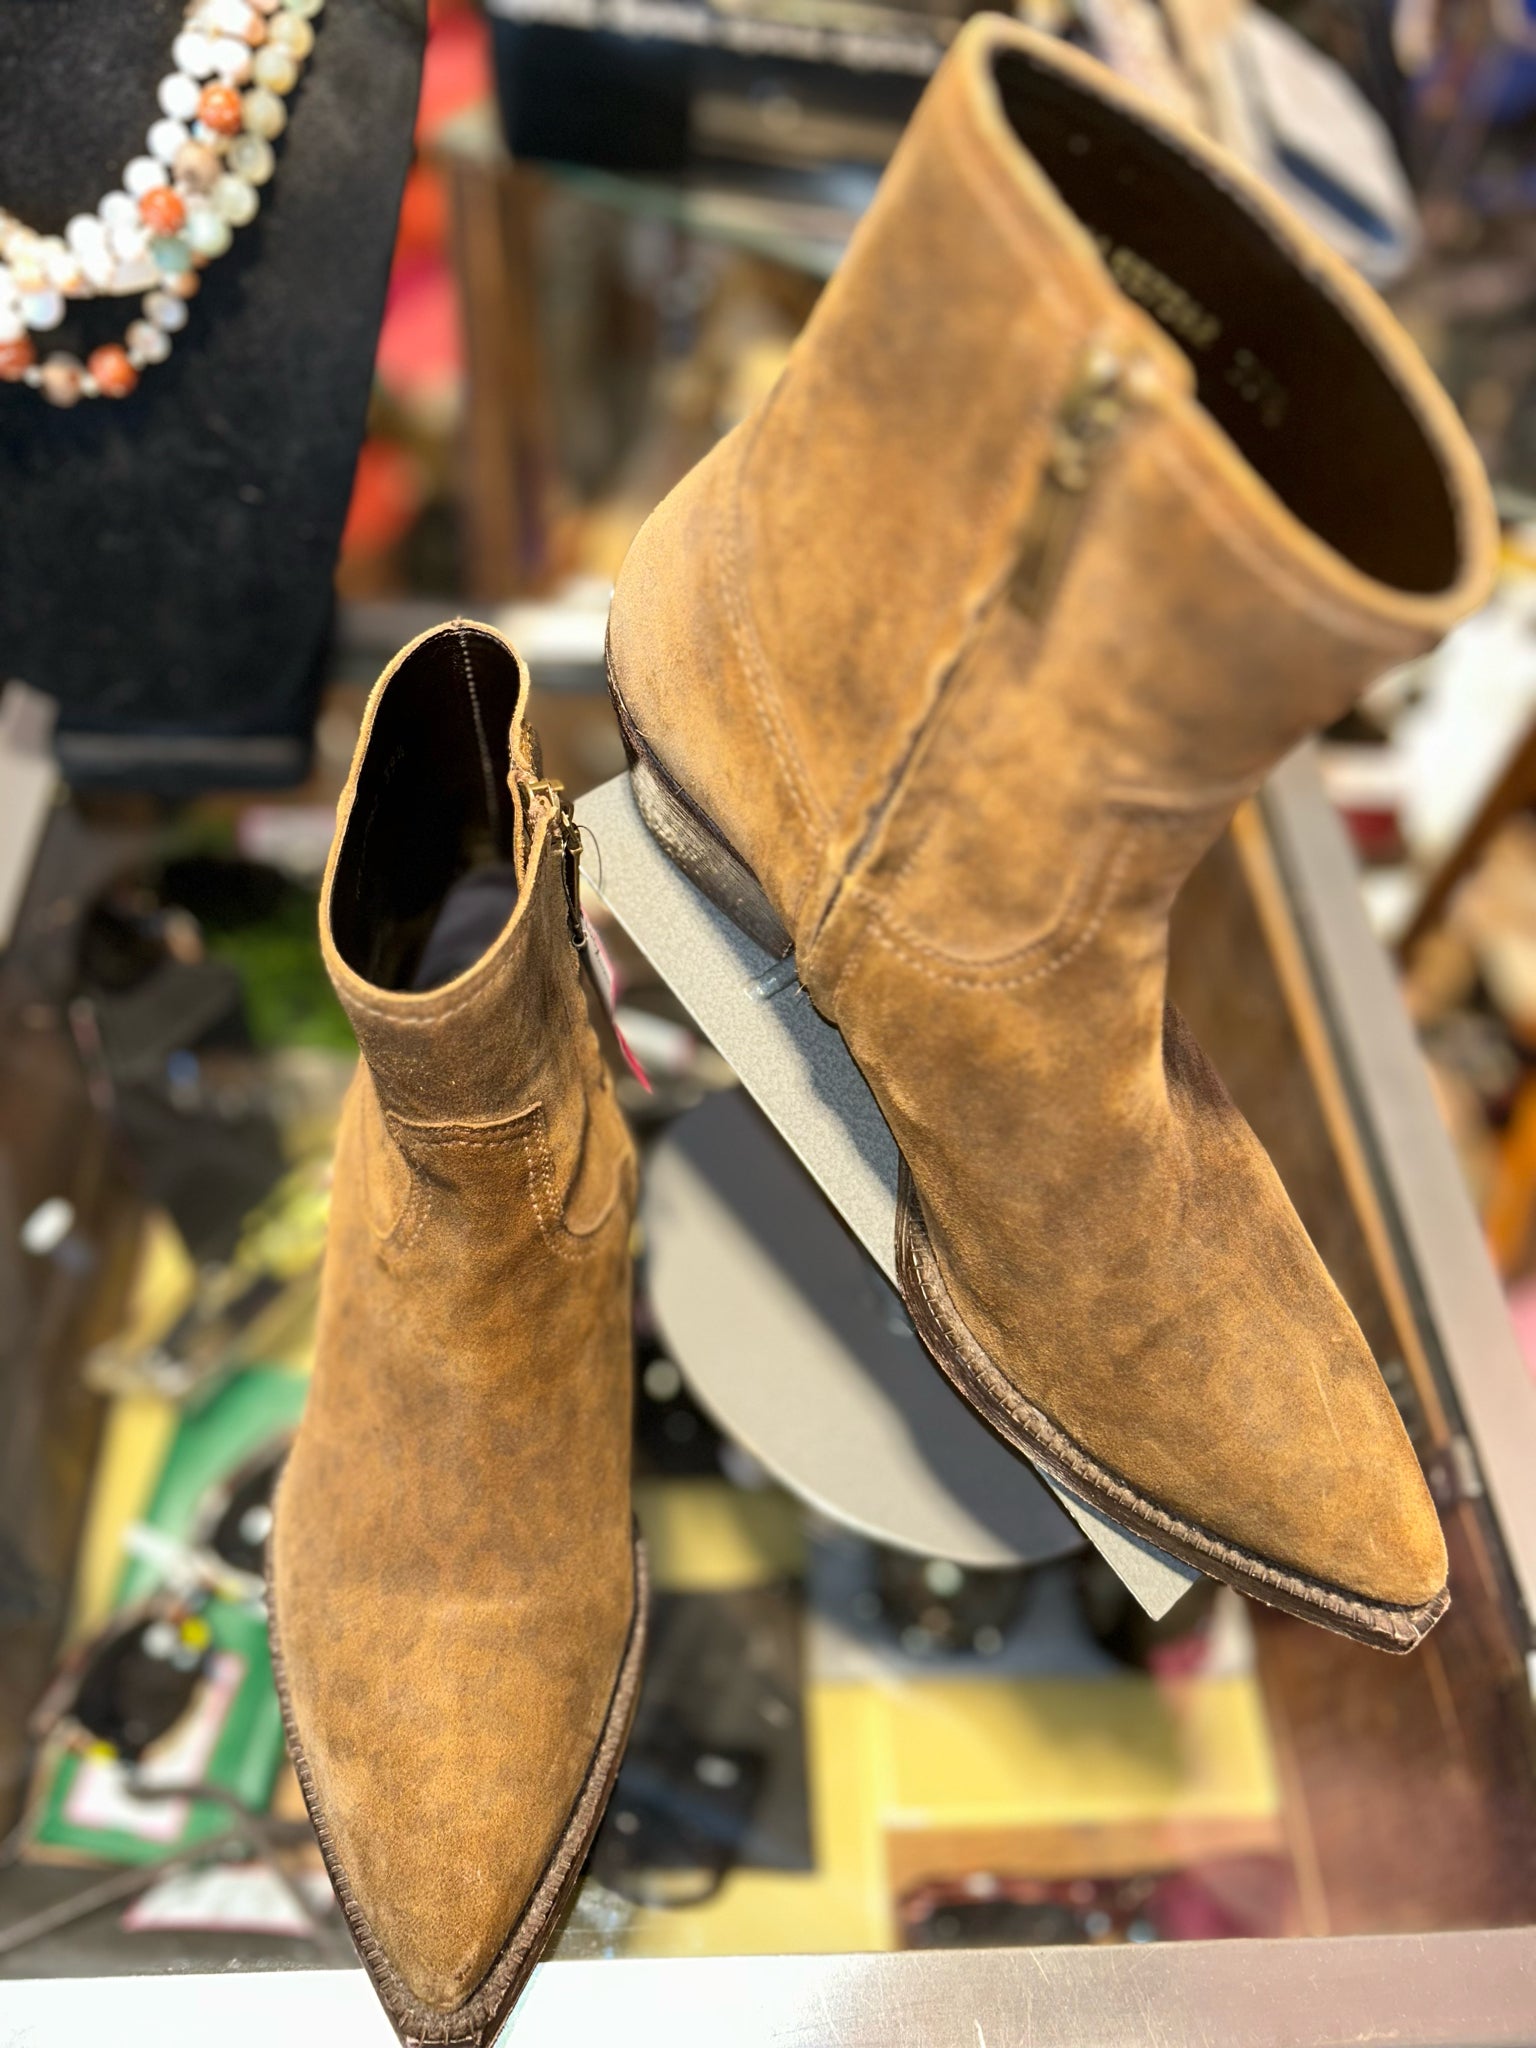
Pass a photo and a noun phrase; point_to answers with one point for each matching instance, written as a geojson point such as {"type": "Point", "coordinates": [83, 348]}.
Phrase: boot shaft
{"type": "Point", "coordinates": [484, 1179]}
{"type": "Point", "coordinates": [1090, 456]}
{"type": "Point", "coordinates": [446, 789]}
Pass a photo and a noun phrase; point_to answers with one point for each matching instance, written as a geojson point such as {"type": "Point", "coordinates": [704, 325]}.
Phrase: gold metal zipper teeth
{"type": "Point", "coordinates": [1085, 426]}
{"type": "Point", "coordinates": [566, 835]}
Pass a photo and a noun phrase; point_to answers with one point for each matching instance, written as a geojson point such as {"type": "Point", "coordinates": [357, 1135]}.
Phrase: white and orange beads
{"type": "Point", "coordinates": [221, 108]}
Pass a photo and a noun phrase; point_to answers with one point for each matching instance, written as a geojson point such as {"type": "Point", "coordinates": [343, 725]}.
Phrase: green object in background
{"type": "Point", "coordinates": [214, 1440]}
{"type": "Point", "coordinates": [288, 998]}
{"type": "Point", "coordinates": [262, 924]}
{"type": "Point", "coordinates": [213, 1443]}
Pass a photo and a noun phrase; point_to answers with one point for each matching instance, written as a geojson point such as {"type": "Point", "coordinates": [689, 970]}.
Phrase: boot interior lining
{"type": "Point", "coordinates": [433, 803]}
{"type": "Point", "coordinates": [1278, 364]}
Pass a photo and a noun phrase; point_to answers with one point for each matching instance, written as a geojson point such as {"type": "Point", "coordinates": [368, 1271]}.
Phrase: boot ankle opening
{"type": "Point", "coordinates": [1278, 364]}
{"type": "Point", "coordinates": [427, 872]}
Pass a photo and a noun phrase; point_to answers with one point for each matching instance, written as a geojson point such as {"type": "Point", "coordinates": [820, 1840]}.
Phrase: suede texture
{"type": "Point", "coordinates": [452, 1562]}
{"type": "Point", "coordinates": [972, 809]}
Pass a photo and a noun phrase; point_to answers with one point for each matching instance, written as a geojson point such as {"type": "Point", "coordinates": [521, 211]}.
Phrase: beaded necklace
{"type": "Point", "coordinates": [207, 157]}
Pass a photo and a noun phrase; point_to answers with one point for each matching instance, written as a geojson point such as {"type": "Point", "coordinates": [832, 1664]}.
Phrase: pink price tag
{"type": "Point", "coordinates": [605, 980]}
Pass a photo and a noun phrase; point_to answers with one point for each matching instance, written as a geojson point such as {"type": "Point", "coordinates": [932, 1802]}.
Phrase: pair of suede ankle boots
{"type": "Point", "coordinates": [1093, 485]}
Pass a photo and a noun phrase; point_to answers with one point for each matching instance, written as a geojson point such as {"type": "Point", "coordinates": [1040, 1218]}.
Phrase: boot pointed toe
{"type": "Point", "coordinates": [1180, 1357]}
{"type": "Point", "coordinates": [452, 1829]}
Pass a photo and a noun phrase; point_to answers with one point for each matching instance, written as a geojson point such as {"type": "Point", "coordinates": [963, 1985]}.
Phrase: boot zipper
{"type": "Point", "coordinates": [590, 950]}
{"type": "Point", "coordinates": [566, 834]}
{"type": "Point", "coordinates": [1086, 423]}
{"type": "Point", "coordinates": [569, 833]}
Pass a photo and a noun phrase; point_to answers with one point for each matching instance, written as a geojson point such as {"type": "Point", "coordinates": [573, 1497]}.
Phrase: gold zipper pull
{"type": "Point", "coordinates": [1086, 422]}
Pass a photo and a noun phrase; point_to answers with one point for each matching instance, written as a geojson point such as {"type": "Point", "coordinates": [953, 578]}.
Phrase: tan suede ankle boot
{"type": "Point", "coordinates": [1094, 483]}
{"type": "Point", "coordinates": [457, 1607]}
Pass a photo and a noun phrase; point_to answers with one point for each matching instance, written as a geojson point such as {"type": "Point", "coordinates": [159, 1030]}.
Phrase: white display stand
{"type": "Point", "coordinates": [800, 1073]}
{"type": "Point", "coordinates": [803, 1354]}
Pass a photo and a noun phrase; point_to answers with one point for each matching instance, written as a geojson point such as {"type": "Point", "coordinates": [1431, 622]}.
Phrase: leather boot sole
{"type": "Point", "coordinates": [703, 853]}
{"type": "Point", "coordinates": [479, 2018]}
